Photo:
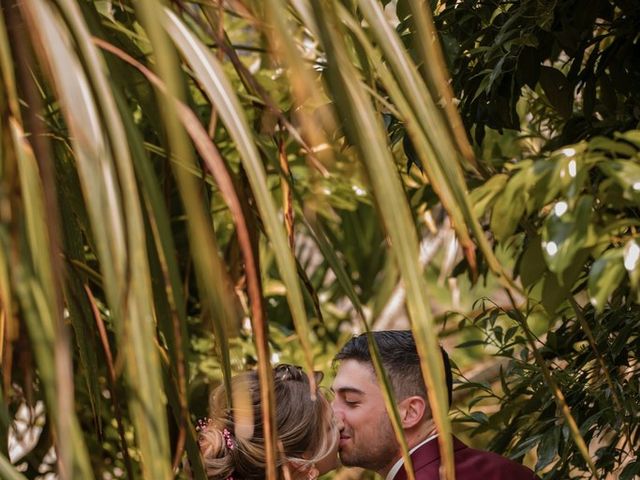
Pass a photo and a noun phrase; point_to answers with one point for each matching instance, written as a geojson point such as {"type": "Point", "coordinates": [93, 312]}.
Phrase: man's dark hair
{"type": "Point", "coordinates": [399, 358]}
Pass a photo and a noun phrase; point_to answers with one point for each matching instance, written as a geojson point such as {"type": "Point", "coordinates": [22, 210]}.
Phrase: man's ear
{"type": "Point", "coordinates": [412, 411]}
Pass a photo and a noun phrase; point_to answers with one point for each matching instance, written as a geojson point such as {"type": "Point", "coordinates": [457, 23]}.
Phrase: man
{"type": "Point", "coordinates": [367, 439]}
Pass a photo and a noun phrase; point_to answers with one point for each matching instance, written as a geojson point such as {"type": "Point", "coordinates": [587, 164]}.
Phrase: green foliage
{"type": "Point", "coordinates": [592, 358]}
{"type": "Point", "coordinates": [578, 58]}
{"type": "Point", "coordinates": [575, 208]}
{"type": "Point", "coordinates": [186, 192]}
{"type": "Point", "coordinates": [559, 140]}
{"type": "Point", "coordinates": [177, 197]}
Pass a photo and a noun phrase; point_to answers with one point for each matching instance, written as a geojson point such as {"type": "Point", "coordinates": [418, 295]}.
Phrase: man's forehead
{"type": "Point", "coordinates": [352, 374]}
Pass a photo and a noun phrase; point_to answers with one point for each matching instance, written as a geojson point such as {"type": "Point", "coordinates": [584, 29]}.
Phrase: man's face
{"type": "Point", "coordinates": [366, 435]}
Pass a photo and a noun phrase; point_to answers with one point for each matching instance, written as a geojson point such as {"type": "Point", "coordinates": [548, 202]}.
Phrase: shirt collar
{"type": "Point", "coordinates": [398, 465]}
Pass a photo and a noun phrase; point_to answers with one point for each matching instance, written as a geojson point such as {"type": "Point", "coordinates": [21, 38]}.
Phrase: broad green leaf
{"type": "Point", "coordinates": [567, 230]}
{"type": "Point", "coordinates": [631, 471]}
{"type": "Point", "coordinates": [627, 174]}
{"type": "Point", "coordinates": [509, 205]}
{"type": "Point", "coordinates": [483, 197]}
{"type": "Point", "coordinates": [555, 289]}
{"type": "Point", "coordinates": [612, 146]}
{"type": "Point", "coordinates": [558, 90]}
{"type": "Point", "coordinates": [632, 265]}
{"type": "Point", "coordinates": [531, 265]}
{"type": "Point", "coordinates": [548, 448]}
{"type": "Point", "coordinates": [605, 276]}
{"type": "Point", "coordinates": [632, 136]}
{"type": "Point", "coordinates": [545, 184]}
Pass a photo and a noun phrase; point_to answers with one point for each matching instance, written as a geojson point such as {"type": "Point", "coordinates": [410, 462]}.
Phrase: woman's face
{"type": "Point", "coordinates": [330, 460]}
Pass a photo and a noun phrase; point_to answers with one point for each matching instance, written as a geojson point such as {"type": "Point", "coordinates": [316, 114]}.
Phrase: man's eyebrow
{"type": "Point", "coordinates": [344, 390]}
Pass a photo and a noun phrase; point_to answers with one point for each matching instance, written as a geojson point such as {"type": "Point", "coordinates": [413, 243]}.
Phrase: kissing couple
{"type": "Point", "coordinates": [313, 432]}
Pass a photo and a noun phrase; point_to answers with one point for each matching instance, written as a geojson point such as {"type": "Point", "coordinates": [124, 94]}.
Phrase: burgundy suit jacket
{"type": "Point", "coordinates": [471, 464]}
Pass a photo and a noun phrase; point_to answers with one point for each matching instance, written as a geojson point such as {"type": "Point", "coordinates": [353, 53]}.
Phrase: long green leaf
{"type": "Point", "coordinates": [9, 107]}
{"type": "Point", "coordinates": [8, 471]}
{"type": "Point", "coordinates": [435, 70]}
{"type": "Point", "coordinates": [367, 134]}
{"type": "Point", "coordinates": [342, 277]}
{"type": "Point", "coordinates": [213, 279]}
{"type": "Point", "coordinates": [6, 73]}
{"type": "Point", "coordinates": [216, 166]}
{"type": "Point", "coordinates": [38, 297]}
{"type": "Point", "coordinates": [210, 73]}
{"type": "Point", "coordinates": [429, 118]}
{"type": "Point", "coordinates": [109, 186]}
{"type": "Point", "coordinates": [172, 323]}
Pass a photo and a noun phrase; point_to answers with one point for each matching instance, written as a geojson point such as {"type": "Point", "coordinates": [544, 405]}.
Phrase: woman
{"type": "Point", "coordinates": [232, 442]}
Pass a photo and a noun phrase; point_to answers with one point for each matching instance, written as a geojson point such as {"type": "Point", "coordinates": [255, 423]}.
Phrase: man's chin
{"type": "Point", "coordinates": [347, 460]}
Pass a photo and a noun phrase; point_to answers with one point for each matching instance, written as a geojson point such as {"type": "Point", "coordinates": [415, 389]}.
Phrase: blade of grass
{"type": "Point", "coordinates": [6, 318]}
{"type": "Point", "coordinates": [329, 253]}
{"type": "Point", "coordinates": [79, 310]}
{"type": "Point", "coordinates": [8, 471]}
{"type": "Point", "coordinates": [9, 107]}
{"type": "Point", "coordinates": [434, 69]}
{"type": "Point", "coordinates": [367, 135]}
{"type": "Point", "coordinates": [217, 167]}
{"type": "Point", "coordinates": [40, 203]}
{"type": "Point", "coordinates": [430, 121]}
{"type": "Point", "coordinates": [174, 327]}
{"type": "Point", "coordinates": [210, 73]}
{"type": "Point", "coordinates": [120, 240]}
{"type": "Point", "coordinates": [5, 419]}
{"type": "Point", "coordinates": [212, 277]}
{"type": "Point", "coordinates": [72, 456]}
{"type": "Point", "coordinates": [112, 378]}
{"type": "Point", "coordinates": [8, 80]}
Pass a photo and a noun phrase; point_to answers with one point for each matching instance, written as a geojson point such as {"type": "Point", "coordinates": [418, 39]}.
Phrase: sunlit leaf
{"type": "Point", "coordinates": [627, 174]}
{"type": "Point", "coordinates": [605, 276]}
{"type": "Point", "coordinates": [566, 231]}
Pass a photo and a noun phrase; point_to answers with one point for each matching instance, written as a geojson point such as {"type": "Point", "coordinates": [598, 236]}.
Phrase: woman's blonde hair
{"type": "Point", "coordinates": [232, 440]}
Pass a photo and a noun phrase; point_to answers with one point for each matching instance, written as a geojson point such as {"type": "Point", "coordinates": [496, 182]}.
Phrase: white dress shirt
{"type": "Point", "coordinates": [398, 465]}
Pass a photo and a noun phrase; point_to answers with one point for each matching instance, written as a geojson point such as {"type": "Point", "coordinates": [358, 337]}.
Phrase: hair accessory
{"type": "Point", "coordinates": [202, 424]}
{"type": "Point", "coordinates": [230, 444]}
{"type": "Point", "coordinates": [228, 438]}
{"type": "Point", "coordinates": [285, 372]}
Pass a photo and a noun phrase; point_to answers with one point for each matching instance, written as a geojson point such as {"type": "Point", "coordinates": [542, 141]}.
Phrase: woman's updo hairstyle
{"type": "Point", "coordinates": [232, 440]}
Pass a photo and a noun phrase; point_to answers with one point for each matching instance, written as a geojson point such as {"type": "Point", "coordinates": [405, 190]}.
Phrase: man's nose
{"type": "Point", "coordinates": [339, 417]}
